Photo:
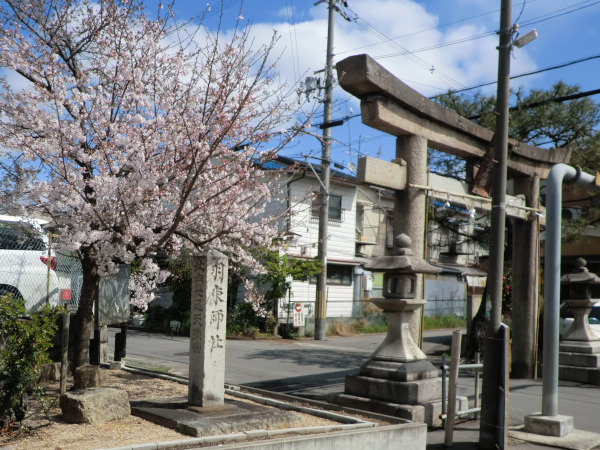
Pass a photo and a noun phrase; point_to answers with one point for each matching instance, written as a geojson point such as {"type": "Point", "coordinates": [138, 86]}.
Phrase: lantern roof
{"type": "Point", "coordinates": [580, 274]}
{"type": "Point", "coordinates": [402, 260]}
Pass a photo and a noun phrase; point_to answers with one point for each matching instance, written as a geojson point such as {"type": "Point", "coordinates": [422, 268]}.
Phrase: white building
{"type": "Point", "coordinates": [360, 228]}
{"type": "Point", "coordinates": [299, 200]}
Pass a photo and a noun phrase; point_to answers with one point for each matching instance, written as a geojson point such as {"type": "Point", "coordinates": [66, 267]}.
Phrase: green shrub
{"type": "Point", "coordinates": [26, 342]}
{"type": "Point", "coordinates": [244, 322]}
{"type": "Point", "coordinates": [155, 318]}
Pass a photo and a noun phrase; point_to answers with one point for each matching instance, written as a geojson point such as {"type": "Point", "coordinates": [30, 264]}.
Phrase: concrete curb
{"type": "Point", "coordinates": [346, 423]}
{"type": "Point", "coordinates": [240, 438]}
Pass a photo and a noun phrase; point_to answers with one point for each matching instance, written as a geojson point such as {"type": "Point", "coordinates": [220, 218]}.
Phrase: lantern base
{"type": "Point", "coordinates": [411, 390]}
{"type": "Point", "coordinates": [397, 371]}
{"type": "Point", "coordinates": [398, 345]}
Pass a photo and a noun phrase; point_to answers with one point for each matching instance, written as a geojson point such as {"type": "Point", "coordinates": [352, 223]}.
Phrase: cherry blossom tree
{"type": "Point", "coordinates": [136, 134]}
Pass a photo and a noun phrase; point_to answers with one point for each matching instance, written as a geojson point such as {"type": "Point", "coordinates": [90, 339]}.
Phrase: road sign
{"type": "Point", "coordinates": [299, 315]}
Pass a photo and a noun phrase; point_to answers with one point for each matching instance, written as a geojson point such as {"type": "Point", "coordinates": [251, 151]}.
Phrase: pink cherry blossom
{"type": "Point", "coordinates": [136, 134]}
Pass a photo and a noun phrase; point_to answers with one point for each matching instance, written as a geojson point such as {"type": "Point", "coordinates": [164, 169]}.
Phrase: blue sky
{"type": "Point", "coordinates": [459, 36]}
{"type": "Point", "coordinates": [432, 45]}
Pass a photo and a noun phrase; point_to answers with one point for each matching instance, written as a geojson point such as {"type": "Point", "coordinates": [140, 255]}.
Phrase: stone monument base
{"type": "Point", "coordinates": [579, 361]}
{"type": "Point", "coordinates": [231, 417]}
{"type": "Point", "coordinates": [411, 391]}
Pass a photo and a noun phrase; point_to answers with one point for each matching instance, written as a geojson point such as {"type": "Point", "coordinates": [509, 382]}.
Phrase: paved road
{"type": "Point", "coordinates": [314, 369]}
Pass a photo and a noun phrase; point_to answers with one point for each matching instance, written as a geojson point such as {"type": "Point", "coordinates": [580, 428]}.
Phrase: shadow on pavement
{"type": "Point", "coordinates": [315, 357]}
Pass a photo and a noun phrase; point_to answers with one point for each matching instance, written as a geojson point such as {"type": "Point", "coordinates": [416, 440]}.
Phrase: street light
{"type": "Point", "coordinates": [525, 39]}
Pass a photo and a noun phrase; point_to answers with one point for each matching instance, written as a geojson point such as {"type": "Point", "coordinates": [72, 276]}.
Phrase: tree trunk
{"type": "Point", "coordinates": [84, 318]}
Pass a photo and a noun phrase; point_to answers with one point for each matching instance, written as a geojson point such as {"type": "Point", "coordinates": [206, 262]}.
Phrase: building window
{"type": "Point", "coordinates": [337, 274]}
{"type": "Point", "coordinates": [335, 206]}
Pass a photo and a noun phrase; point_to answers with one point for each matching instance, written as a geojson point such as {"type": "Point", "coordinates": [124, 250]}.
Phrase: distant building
{"type": "Point", "coordinates": [360, 229]}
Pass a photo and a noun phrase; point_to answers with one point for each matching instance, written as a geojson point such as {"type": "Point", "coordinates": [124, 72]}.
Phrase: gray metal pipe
{"type": "Point", "coordinates": [558, 174]}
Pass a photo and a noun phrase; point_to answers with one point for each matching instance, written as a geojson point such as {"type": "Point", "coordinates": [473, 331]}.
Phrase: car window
{"type": "Point", "coordinates": [13, 237]}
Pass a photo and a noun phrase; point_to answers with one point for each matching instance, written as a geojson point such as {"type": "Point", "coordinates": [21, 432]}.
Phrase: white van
{"type": "Point", "coordinates": [27, 268]}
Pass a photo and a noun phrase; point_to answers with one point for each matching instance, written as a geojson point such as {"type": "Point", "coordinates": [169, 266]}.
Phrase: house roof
{"type": "Point", "coordinates": [285, 163]}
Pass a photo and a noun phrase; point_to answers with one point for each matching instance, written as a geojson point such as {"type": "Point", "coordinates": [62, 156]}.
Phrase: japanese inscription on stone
{"type": "Point", "coordinates": [207, 332]}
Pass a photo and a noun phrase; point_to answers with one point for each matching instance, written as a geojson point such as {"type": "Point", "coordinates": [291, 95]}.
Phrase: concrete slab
{"type": "Point", "coordinates": [232, 417]}
{"type": "Point", "coordinates": [558, 426]}
{"type": "Point", "coordinates": [576, 440]}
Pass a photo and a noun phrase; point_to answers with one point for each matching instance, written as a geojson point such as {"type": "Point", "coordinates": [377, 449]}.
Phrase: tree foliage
{"type": "Point", "coordinates": [136, 134]}
{"type": "Point", "coordinates": [273, 283]}
{"type": "Point", "coordinates": [538, 118]}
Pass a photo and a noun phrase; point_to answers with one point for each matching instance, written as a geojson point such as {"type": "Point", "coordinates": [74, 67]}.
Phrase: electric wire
{"type": "Point", "coordinates": [293, 38]}
{"type": "Point", "coordinates": [415, 59]}
{"type": "Point", "coordinates": [521, 75]}
{"type": "Point", "coordinates": [551, 15]}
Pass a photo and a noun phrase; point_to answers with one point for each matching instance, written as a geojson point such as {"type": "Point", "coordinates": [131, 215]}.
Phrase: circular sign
{"type": "Point", "coordinates": [298, 307]}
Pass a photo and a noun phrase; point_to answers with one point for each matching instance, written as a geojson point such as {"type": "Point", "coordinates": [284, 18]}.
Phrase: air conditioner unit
{"type": "Point", "coordinates": [571, 213]}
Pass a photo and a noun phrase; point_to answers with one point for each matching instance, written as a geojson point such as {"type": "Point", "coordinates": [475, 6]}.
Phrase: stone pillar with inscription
{"type": "Point", "coordinates": [207, 332]}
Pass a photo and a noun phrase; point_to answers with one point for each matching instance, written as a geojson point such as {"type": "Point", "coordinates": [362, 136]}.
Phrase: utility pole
{"type": "Point", "coordinates": [488, 428]}
{"type": "Point", "coordinates": [321, 294]}
{"type": "Point", "coordinates": [491, 423]}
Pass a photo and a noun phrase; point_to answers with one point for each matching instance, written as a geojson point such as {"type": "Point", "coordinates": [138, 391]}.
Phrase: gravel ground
{"type": "Point", "coordinates": [49, 431]}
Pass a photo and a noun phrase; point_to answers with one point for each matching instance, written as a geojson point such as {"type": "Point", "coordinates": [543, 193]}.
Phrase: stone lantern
{"type": "Point", "coordinates": [398, 380]}
{"type": "Point", "coordinates": [400, 301]}
{"type": "Point", "coordinates": [579, 354]}
{"type": "Point", "coordinates": [576, 293]}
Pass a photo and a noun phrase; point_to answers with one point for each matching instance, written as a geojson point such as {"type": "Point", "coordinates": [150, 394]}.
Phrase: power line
{"type": "Point", "coordinates": [526, 74]}
{"type": "Point", "coordinates": [293, 38]}
{"type": "Point", "coordinates": [563, 98]}
{"type": "Point", "coordinates": [551, 15]}
{"type": "Point", "coordinates": [415, 59]}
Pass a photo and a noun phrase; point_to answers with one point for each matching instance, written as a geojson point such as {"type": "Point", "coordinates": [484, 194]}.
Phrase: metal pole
{"type": "Point", "coordinates": [489, 399]}
{"type": "Point", "coordinates": [444, 394]}
{"type": "Point", "coordinates": [321, 294]}
{"type": "Point", "coordinates": [455, 359]}
{"type": "Point", "coordinates": [64, 348]}
{"type": "Point", "coordinates": [476, 402]}
{"type": "Point", "coordinates": [49, 265]}
{"type": "Point", "coordinates": [558, 173]}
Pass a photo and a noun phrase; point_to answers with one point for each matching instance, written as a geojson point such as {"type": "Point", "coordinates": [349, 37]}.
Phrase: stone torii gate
{"type": "Point", "coordinates": [389, 105]}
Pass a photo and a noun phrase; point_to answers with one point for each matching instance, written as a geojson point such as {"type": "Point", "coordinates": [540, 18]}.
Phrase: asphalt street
{"type": "Point", "coordinates": [314, 369]}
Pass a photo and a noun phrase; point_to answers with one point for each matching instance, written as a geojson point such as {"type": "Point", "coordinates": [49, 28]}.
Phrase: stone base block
{"type": "Point", "coordinates": [116, 365]}
{"type": "Point", "coordinates": [95, 405]}
{"type": "Point", "coordinates": [232, 417]}
{"type": "Point", "coordinates": [86, 377]}
{"type": "Point", "coordinates": [390, 370]}
{"type": "Point", "coordinates": [50, 372]}
{"type": "Point", "coordinates": [589, 375]}
{"type": "Point", "coordinates": [580, 346]}
{"type": "Point", "coordinates": [558, 426]}
{"type": "Point", "coordinates": [579, 359]}
{"type": "Point", "coordinates": [428, 412]}
{"type": "Point", "coordinates": [407, 393]}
